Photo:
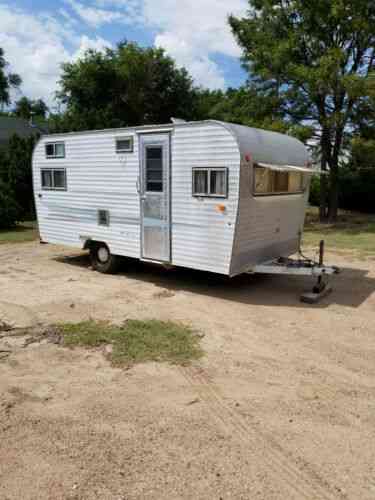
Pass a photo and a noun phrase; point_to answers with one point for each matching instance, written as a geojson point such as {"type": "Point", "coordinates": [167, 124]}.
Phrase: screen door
{"type": "Point", "coordinates": [155, 197]}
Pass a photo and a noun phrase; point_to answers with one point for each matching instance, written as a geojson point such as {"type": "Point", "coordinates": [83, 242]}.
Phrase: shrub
{"type": "Point", "coordinates": [9, 208]}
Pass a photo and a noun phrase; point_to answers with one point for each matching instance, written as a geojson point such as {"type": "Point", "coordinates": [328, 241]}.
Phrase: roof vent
{"type": "Point", "coordinates": [177, 120]}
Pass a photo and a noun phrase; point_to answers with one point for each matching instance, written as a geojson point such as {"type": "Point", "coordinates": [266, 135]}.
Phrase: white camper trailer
{"type": "Point", "coordinates": [206, 195]}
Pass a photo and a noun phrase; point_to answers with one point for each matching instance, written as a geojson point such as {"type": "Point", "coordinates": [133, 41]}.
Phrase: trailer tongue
{"type": "Point", "coordinates": [303, 267]}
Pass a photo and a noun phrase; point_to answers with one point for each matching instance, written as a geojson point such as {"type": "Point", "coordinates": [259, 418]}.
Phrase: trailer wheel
{"type": "Point", "coordinates": [102, 260]}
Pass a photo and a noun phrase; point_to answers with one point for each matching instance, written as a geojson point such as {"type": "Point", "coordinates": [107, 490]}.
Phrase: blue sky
{"type": "Point", "coordinates": [39, 35]}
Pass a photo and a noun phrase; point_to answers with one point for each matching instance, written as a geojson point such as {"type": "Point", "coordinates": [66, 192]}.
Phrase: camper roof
{"type": "Point", "coordinates": [263, 146]}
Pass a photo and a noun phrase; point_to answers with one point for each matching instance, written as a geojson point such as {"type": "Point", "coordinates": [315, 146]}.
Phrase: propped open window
{"type": "Point", "coordinates": [273, 180]}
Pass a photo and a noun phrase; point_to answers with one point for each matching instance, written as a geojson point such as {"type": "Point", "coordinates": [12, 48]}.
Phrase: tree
{"type": "Point", "coordinates": [26, 108]}
{"type": "Point", "coordinates": [126, 86]}
{"type": "Point", "coordinates": [7, 80]}
{"type": "Point", "coordinates": [16, 178]}
{"type": "Point", "coordinates": [318, 57]}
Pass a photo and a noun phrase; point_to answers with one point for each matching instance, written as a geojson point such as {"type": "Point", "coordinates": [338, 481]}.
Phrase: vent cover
{"type": "Point", "coordinates": [103, 217]}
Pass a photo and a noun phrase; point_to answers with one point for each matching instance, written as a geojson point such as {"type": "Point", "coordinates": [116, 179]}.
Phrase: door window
{"type": "Point", "coordinates": [154, 168]}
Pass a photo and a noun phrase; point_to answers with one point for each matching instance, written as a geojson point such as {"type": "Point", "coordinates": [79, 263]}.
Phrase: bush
{"type": "Point", "coordinates": [16, 190]}
{"type": "Point", "coordinates": [314, 199]}
{"type": "Point", "coordinates": [357, 190]}
{"type": "Point", "coordinates": [9, 208]}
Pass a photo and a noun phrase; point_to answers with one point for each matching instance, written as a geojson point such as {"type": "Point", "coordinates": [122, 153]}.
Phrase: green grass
{"type": "Point", "coordinates": [136, 341]}
{"type": "Point", "coordinates": [23, 232]}
{"type": "Point", "coordinates": [352, 232]}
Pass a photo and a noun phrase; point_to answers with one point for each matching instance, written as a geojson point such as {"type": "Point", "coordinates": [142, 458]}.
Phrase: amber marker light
{"type": "Point", "coordinates": [220, 208]}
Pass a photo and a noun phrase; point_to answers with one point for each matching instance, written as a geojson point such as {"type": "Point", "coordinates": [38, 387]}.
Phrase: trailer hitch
{"type": "Point", "coordinates": [303, 267]}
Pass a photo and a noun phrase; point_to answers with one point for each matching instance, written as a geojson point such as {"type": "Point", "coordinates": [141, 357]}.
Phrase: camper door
{"type": "Point", "coordinates": [155, 197]}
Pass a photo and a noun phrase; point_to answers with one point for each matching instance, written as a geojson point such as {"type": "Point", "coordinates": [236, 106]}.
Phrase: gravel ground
{"type": "Point", "coordinates": [282, 406]}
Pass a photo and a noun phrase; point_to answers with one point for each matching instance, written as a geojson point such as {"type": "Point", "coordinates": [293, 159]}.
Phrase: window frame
{"type": "Point", "coordinates": [54, 155]}
{"type": "Point", "coordinates": [209, 170]}
{"type": "Point", "coordinates": [125, 138]}
{"type": "Point", "coordinates": [53, 187]}
{"type": "Point", "coordinates": [278, 193]}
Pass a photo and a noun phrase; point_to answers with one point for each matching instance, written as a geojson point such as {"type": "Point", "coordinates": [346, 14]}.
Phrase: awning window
{"type": "Point", "coordinates": [290, 168]}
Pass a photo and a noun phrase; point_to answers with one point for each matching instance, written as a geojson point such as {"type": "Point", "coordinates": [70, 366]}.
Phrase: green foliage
{"type": "Point", "coordinates": [356, 190]}
{"type": "Point", "coordinates": [136, 341]}
{"type": "Point", "coordinates": [16, 179]}
{"type": "Point", "coordinates": [7, 80]}
{"type": "Point", "coordinates": [363, 152]}
{"type": "Point", "coordinates": [9, 209]}
{"type": "Point", "coordinates": [127, 86]}
{"type": "Point", "coordinates": [318, 58]}
{"type": "Point", "coordinates": [314, 199]}
{"type": "Point", "coordinates": [26, 108]}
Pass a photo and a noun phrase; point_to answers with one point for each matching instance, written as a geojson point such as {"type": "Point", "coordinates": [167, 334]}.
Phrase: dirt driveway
{"type": "Point", "coordinates": [282, 406]}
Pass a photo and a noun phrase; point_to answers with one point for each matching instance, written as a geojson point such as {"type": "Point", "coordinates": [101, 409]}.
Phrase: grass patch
{"type": "Point", "coordinates": [136, 341]}
{"type": "Point", "coordinates": [23, 232]}
{"type": "Point", "coordinates": [352, 232]}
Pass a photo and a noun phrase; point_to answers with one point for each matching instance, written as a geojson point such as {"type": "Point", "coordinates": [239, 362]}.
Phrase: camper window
{"type": "Point", "coordinates": [124, 144]}
{"type": "Point", "coordinates": [271, 182]}
{"type": "Point", "coordinates": [55, 150]}
{"type": "Point", "coordinates": [210, 182]}
{"type": "Point", "coordinates": [54, 179]}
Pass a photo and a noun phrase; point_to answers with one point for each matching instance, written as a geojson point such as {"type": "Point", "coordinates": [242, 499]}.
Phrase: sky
{"type": "Point", "coordinates": [38, 35]}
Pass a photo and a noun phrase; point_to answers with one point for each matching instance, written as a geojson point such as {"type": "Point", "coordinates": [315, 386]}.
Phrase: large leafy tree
{"type": "Point", "coordinates": [7, 80]}
{"type": "Point", "coordinates": [127, 86]}
{"type": "Point", "coordinates": [318, 57]}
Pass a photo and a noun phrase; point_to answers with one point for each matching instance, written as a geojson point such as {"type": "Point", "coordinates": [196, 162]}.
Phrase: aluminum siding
{"type": "Point", "coordinates": [267, 227]}
{"type": "Point", "coordinates": [99, 178]}
{"type": "Point", "coordinates": [202, 237]}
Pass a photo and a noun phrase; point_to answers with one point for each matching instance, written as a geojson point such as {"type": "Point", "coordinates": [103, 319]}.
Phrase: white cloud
{"type": "Point", "coordinates": [95, 17]}
{"type": "Point", "coordinates": [132, 9]}
{"type": "Point", "coordinates": [36, 46]}
{"type": "Point", "coordinates": [192, 31]}
{"type": "Point", "coordinates": [87, 43]}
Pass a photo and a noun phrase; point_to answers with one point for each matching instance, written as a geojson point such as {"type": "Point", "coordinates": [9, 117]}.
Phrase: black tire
{"type": "Point", "coordinates": [102, 260]}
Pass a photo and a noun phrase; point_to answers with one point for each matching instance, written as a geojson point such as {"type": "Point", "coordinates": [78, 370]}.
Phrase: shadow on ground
{"type": "Point", "coordinates": [350, 288]}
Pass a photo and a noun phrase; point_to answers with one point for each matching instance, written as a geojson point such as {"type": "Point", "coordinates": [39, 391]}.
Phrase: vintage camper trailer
{"type": "Point", "coordinates": [206, 195]}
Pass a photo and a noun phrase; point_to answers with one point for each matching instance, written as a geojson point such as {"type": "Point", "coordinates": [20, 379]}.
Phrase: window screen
{"type": "Point", "coordinates": [200, 182]}
{"type": "Point", "coordinates": [55, 150]}
{"type": "Point", "coordinates": [54, 179]}
{"type": "Point", "coordinates": [47, 179]}
{"type": "Point", "coordinates": [268, 182]}
{"type": "Point", "coordinates": [154, 168]}
{"type": "Point", "coordinates": [59, 180]}
{"type": "Point", "coordinates": [210, 182]}
{"type": "Point", "coordinates": [124, 144]}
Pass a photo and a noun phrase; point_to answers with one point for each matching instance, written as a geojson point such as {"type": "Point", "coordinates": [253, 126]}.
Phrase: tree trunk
{"type": "Point", "coordinates": [334, 193]}
{"type": "Point", "coordinates": [325, 146]}
{"type": "Point", "coordinates": [323, 208]}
